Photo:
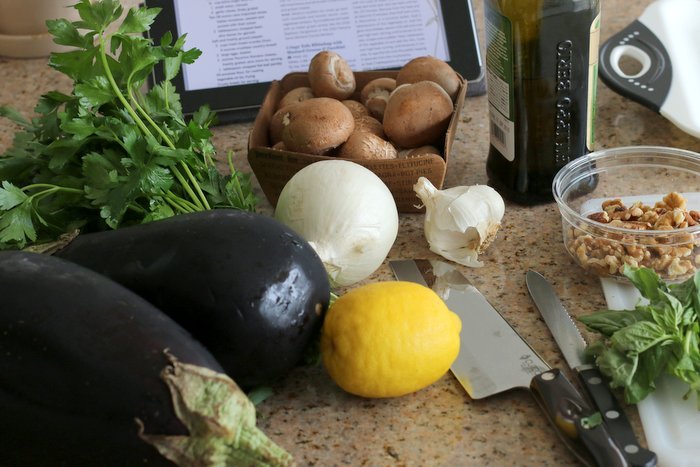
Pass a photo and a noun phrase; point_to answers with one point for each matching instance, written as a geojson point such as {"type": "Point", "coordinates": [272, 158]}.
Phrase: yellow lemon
{"type": "Point", "coordinates": [387, 339]}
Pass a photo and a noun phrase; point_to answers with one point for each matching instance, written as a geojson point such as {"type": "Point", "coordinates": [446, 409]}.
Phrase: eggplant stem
{"type": "Point", "coordinates": [220, 419]}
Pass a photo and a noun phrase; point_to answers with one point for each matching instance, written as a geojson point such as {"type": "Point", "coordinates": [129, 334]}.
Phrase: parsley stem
{"type": "Point", "coordinates": [202, 202]}
{"type": "Point", "coordinates": [165, 94]}
{"type": "Point", "coordinates": [246, 203]}
{"type": "Point", "coordinates": [196, 185]}
{"type": "Point", "coordinates": [49, 188]}
{"type": "Point", "coordinates": [134, 115]}
{"type": "Point", "coordinates": [189, 205]}
{"type": "Point", "coordinates": [117, 91]}
{"type": "Point", "coordinates": [179, 204]}
{"type": "Point", "coordinates": [137, 208]}
{"type": "Point", "coordinates": [187, 188]}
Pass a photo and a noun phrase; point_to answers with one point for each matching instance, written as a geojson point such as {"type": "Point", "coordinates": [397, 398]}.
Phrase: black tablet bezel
{"type": "Point", "coordinates": [241, 102]}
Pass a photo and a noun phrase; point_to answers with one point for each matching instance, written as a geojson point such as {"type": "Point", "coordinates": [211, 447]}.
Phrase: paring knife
{"type": "Point", "coordinates": [494, 358]}
{"type": "Point", "coordinates": [573, 346]}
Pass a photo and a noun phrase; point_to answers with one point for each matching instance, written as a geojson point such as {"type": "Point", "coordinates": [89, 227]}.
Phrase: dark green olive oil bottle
{"type": "Point", "coordinates": [542, 68]}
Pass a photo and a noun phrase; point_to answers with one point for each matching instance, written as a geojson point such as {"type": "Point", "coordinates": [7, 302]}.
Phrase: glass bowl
{"type": "Point", "coordinates": [632, 205]}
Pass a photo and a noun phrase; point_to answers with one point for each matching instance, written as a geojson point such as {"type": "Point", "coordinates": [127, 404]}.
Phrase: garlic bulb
{"type": "Point", "coordinates": [460, 222]}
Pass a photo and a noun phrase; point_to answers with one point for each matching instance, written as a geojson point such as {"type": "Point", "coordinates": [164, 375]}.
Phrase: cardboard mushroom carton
{"type": "Point", "coordinates": [273, 167]}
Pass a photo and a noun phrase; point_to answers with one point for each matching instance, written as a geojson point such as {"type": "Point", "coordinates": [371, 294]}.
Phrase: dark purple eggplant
{"type": "Point", "coordinates": [80, 360]}
{"type": "Point", "coordinates": [246, 286]}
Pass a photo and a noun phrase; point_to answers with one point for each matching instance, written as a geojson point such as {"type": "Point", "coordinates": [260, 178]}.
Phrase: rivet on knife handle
{"type": "Point", "coordinates": [568, 414]}
{"type": "Point", "coordinates": [615, 418]}
{"type": "Point", "coordinates": [573, 348]}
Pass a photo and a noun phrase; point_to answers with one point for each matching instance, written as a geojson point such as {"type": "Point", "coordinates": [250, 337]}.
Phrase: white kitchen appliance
{"type": "Point", "coordinates": [655, 61]}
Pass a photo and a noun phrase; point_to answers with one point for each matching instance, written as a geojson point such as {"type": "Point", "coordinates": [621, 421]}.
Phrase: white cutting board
{"type": "Point", "coordinates": [671, 424]}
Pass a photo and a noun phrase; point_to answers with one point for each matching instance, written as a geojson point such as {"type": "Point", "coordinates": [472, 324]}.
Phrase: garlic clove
{"type": "Point", "coordinates": [460, 222]}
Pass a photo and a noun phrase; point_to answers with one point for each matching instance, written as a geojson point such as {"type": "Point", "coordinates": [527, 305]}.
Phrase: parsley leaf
{"type": "Point", "coordinates": [17, 226]}
{"type": "Point", "coordinates": [108, 154]}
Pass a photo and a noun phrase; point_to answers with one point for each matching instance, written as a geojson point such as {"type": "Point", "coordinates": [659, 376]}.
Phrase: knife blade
{"type": "Point", "coordinates": [493, 358]}
{"type": "Point", "coordinates": [573, 346]}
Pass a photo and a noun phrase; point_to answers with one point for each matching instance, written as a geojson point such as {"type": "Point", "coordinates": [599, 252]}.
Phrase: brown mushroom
{"type": "Point", "coordinates": [419, 151]}
{"type": "Point", "coordinates": [417, 114]}
{"type": "Point", "coordinates": [316, 126]}
{"type": "Point", "coordinates": [356, 108]}
{"type": "Point", "coordinates": [331, 76]}
{"type": "Point", "coordinates": [277, 123]}
{"type": "Point", "coordinates": [363, 145]}
{"type": "Point", "coordinates": [369, 125]}
{"type": "Point", "coordinates": [296, 95]}
{"type": "Point", "coordinates": [375, 94]}
{"type": "Point", "coordinates": [429, 68]}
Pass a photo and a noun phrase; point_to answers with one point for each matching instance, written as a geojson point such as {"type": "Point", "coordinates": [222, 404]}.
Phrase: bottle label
{"type": "Point", "coordinates": [499, 77]}
{"type": "Point", "coordinates": [593, 81]}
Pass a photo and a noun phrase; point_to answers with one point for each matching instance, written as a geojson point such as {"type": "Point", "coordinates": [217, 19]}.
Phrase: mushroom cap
{"type": "Point", "coordinates": [363, 145]}
{"type": "Point", "coordinates": [419, 151]}
{"type": "Point", "coordinates": [316, 126]}
{"type": "Point", "coordinates": [331, 76]}
{"type": "Point", "coordinates": [370, 125]}
{"type": "Point", "coordinates": [417, 114]}
{"type": "Point", "coordinates": [356, 108]}
{"type": "Point", "coordinates": [279, 146]}
{"type": "Point", "coordinates": [375, 94]}
{"type": "Point", "coordinates": [377, 86]}
{"type": "Point", "coordinates": [296, 95]}
{"type": "Point", "coordinates": [429, 68]}
{"type": "Point", "coordinates": [277, 123]}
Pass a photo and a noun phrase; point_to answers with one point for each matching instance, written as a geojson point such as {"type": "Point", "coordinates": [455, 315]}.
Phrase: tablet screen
{"type": "Point", "coordinates": [246, 44]}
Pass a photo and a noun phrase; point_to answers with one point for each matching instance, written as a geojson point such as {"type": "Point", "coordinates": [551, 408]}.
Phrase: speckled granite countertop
{"type": "Point", "coordinates": [320, 424]}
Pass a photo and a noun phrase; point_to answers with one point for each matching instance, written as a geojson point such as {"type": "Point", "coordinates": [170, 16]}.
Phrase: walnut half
{"type": "Point", "coordinates": [607, 256]}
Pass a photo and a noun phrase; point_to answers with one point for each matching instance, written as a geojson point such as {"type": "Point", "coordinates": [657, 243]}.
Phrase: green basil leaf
{"type": "Point", "coordinates": [636, 391]}
{"type": "Point", "coordinates": [618, 366]}
{"type": "Point", "coordinates": [668, 313]}
{"type": "Point", "coordinates": [610, 321]}
{"type": "Point", "coordinates": [646, 281]}
{"type": "Point", "coordinates": [638, 337]}
{"type": "Point", "coordinates": [684, 291]}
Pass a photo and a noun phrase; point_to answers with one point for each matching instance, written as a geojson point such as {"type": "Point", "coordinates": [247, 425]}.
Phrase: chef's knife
{"type": "Point", "coordinates": [494, 358]}
{"type": "Point", "coordinates": [573, 346]}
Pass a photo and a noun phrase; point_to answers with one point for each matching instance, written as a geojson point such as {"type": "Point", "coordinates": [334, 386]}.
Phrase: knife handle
{"type": "Point", "coordinates": [618, 424]}
{"type": "Point", "coordinates": [567, 411]}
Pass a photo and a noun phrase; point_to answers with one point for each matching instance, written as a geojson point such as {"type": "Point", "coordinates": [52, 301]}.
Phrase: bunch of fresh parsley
{"type": "Point", "coordinates": [109, 154]}
{"type": "Point", "coordinates": [661, 335]}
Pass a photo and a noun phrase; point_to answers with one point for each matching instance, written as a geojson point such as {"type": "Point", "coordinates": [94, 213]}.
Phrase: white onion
{"type": "Point", "coordinates": [345, 212]}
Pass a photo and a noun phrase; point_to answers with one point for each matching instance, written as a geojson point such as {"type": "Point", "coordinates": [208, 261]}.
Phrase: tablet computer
{"type": "Point", "coordinates": [246, 44]}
